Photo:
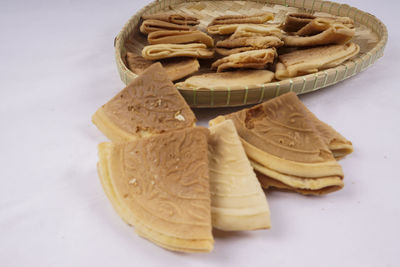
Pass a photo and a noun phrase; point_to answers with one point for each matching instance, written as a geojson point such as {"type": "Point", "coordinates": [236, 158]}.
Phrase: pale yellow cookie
{"type": "Point", "coordinates": [237, 200]}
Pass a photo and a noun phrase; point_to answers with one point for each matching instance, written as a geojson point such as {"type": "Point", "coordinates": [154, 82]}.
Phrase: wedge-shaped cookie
{"type": "Point", "coordinates": [240, 19]}
{"type": "Point", "coordinates": [179, 37]}
{"type": "Point", "coordinates": [160, 185]}
{"type": "Point", "coordinates": [160, 51]}
{"type": "Point", "coordinates": [149, 105]}
{"type": "Point", "coordinates": [334, 34]}
{"type": "Point", "coordinates": [152, 25]}
{"type": "Point", "coordinates": [232, 79]}
{"type": "Point", "coordinates": [311, 60]}
{"type": "Point", "coordinates": [255, 59]}
{"type": "Point", "coordinates": [176, 68]}
{"type": "Point", "coordinates": [237, 201]}
{"type": "Point", "coordinates": [337, 143]}
{"type": "Point", "coordinates": [180, 19]}
{"type": "Point", "coordinates": [282, 141]}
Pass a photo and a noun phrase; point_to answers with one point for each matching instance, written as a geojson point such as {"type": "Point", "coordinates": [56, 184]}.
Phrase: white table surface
{"type": "Point", "coordinates": [57, 67]}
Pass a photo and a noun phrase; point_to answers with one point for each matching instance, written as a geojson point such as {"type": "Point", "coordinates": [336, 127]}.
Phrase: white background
{"type": "Point", "coordinates": [57, 67]}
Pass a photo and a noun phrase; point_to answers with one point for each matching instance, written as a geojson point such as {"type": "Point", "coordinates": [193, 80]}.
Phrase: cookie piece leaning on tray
{"type": "Point", "coordinates": [179, 37]}
{"type": "Point", "coordinates": [160, 51]}
{"type": "Point", "coordinates": [149, 105]}
{"type": "Point", "coordinates": [311, 60]}
{"type": "Point", "coordinates": [180, 19]}
{"type": "Point", "coordinates": [176, 68]}
{"type": "Point", "coordinates": [255, 59]}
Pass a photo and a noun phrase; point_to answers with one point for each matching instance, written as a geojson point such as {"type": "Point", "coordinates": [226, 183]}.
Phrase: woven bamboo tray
{"type": "Point", "coordinates": [371, 36]}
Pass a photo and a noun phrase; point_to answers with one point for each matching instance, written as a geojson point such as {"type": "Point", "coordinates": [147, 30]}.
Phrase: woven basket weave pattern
{"type": "Point", "coordinates": [371, 35]}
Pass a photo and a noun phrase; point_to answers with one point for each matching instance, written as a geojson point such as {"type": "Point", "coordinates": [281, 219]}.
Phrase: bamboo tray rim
{"type": "Point", "coordinates": [206, 97]}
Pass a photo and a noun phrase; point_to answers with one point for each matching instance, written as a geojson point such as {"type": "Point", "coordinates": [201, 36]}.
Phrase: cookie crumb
{"type": "Point", "coordinates": [179, 116]}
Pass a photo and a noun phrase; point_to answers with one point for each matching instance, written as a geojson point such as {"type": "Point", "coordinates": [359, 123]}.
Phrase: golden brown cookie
{"type": "Point", "coordinates": [149, 105]}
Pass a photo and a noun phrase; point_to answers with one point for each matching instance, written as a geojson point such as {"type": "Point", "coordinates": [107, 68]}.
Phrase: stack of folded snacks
{"type": "Point", "coordinates": [251, 43]}
{"type": "Point", "coordinates": [174, 39]}
{"type": "Point", "coordinates": [174, 35]}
